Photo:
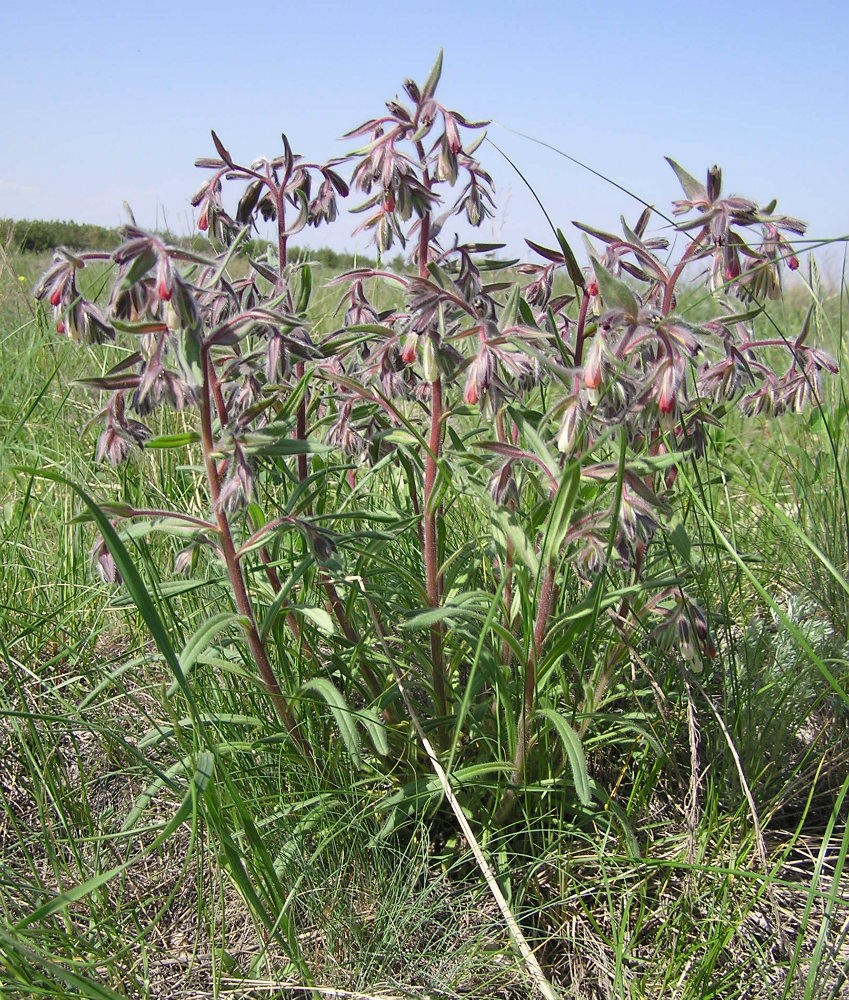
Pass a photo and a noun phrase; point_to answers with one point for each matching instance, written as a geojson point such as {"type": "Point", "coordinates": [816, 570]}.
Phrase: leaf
{"type": "Point", "coordinates": [258, 443]}
{"type": "Point", "coordinates": [133, 583]}
{"type": "Point", "coordinates": [513, 532]}
{"type": "Point", "coordinates": [374, 726]}
{"type": "Point", "coordinates": [304, 290]}
{"type": "Point", "coordinates": [433, 78]}
{"type": "Point", "coordinates": [695, 190]}
{"type": "Point", "coordinates": [139, 268]}
{"type": "Point", "coordinates": [318, 616]}
{"type": "Point", "coordinates": [615, 293]}
{"type": "Point", "coordinates": [575, 272]}
{"type": "Point", "coordinates": [574, 751]}
{"type": "Point", "coordinates": [110, 383]}
{"type": "Point", "coordinates": [78, 986]}
{"type": "Point", "coordinates": [424, 619]}
{"type": "Point", "coordinates": [139, 327]}
{"type": "Point", "coordinates": [440, 486]}
{"type": "Point", "coordinates": [161, 733]}
{"type": "Point", "coordinates": [510, 313]}
{"type": "Point", "coordinates": [188, 343]}
{"type": "Point", "coordinates": [682, 544]}
{"type": "Point", "coordinates": [164, 441]}
{"type": "Point", "coordinates": [560, 515]}
{"type": "Point", "coordinates": [600, 234]}
{"type": "Point", "coordinates": [222, 151]}
{"type": "Point", "coordinates": [619, 815]}
{"type": "Point", "coordinates": [342, 712]}
{"type": "Point", "coordinates": [552, 255]}
{"type": "Point", "coordinates": [199, 641]}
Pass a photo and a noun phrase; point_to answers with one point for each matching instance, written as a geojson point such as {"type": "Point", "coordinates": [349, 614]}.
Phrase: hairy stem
{"type": "Point", "coordinates": [546, 599]}
{"type": "Point", "coordinates": [431, 552]}
{"type": "Point", "coordinates": [686, 257]}
{"type": "Point", "coordinates": [234, 571]}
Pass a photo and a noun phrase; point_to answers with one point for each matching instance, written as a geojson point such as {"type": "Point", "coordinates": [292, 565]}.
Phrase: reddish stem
{"type": "Point", "coordinates": [234, 572]}
{"type": "Point", "coordinates": [579, 334]}
{"type": "Point", "coordinates": [687, 256]}
{"type": "Point", "coordinates": [431, 552]}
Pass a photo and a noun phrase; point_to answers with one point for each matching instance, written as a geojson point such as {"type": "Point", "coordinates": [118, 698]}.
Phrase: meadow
{"type": "Point", "coordinates": [514, 736]}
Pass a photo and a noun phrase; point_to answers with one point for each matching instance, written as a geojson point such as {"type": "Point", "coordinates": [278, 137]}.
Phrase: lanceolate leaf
{"type": "Point", "coordinates": [615, 293]}
{"type": "Point", "coordinates": [560, 515]}
{"type": "Point", "coordinates": [199, 641]}
{"type": "Point", "coordinates": [433, 79]}
{"type": "Point", "coordinates": [574, 751]}
{"type": "Point", "coordinates": [343, 714]}
{"type": "Point", "coordinates": [575, 273]}
{"type": "Point", "coordinates": [695, 190]}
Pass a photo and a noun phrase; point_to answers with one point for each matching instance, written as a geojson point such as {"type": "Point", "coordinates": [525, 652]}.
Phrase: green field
{"type": "Point", "coordinates": [714, 865]}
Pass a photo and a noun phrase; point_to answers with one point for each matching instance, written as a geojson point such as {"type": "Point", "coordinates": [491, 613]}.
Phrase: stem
{"type": "Point", "coordinates": [507, 569]}
{"type": "Point", "coordinates": [546, 599]}
{"type": "Point", "coordinates": [431, 553]}
{"type": "Point", "coordinates": [687, 256]}
{"type": "Point", "coordinates": [579, 335]}
{"type": "Point", "coordinates": [234, 572]}
{"type": "Point", "coordinates": [301, 426]}
{"type": "Point", "coordinates": [282, 260]}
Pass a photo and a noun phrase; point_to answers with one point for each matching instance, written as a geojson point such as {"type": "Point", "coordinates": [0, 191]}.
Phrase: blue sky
{"type": "Point", "coordinates": [105, 104]}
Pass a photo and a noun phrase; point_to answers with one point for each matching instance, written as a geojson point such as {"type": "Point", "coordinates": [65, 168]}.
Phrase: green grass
{"type": "Point", "coordinates": [156, 844]}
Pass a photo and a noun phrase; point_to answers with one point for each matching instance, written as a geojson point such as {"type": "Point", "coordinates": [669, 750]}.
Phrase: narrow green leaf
{"type": "Point", "coordinates": [163, 441]}
{"type": "Point", "coordinates": [572, 266]}
{"type": "Point", "coordinates": [433, 77]}
{"type": "Point", "coordinates": [318, 616]}
{"type": "Point", "coordinates": [681, 541]}
{"type": "Point", "coordinates": [203, 771]}
{"type": "Point", "coordinates": [258, 443]}
{"type": "Point", "coordinates": [618, 814]}
{"type": "Point", "coordinates": [560, 514]}
{"type": "Point", "coordinates": [198, 642]}
{"type": "Point", "coordinates": [139, 327]}
{"type": "Point", "coordinates": [78, 986]}
{"type": "Point", "coordinates": [523, 547]}
{"type": "Point", "coordinates": [133, 582]}
{"type": "Point", "coordinates": [304, 290]}
{"type": "Point", "coordinates": [440, 486]}
{"type": "Point", "coordinates": [574, 751]}
{"type": "Point", "coordinates": [342, 712]}
{"type": "Point", "coordinates": [374, 726]}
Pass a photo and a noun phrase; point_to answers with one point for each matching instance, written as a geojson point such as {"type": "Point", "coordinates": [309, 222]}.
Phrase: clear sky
{"type": "Point", "coordinates": [102, 103]}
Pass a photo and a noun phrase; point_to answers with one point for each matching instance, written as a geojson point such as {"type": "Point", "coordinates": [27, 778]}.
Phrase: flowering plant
{"type": "Point", "coordinates": [463, 489]}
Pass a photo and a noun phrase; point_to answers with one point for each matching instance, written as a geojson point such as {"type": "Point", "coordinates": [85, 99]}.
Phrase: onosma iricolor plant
{"type": "Point", "coordinates": [464, 487]}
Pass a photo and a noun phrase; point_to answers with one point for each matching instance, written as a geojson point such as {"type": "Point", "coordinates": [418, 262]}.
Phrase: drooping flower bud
{"type": "Point", "coordinates": [593, 365]}
{"type": "Point", "coordinates": [430, 367]}
{"type": "Point", "coordinates": [569, 427]}
{"type": "Point", "coordinates": [411, 348]}
{"type": "Point", "coordinates": [667, 387]}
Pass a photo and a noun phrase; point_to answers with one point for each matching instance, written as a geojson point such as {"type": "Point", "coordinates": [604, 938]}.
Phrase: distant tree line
{"type": "Point", "coordinates": [39, 236]}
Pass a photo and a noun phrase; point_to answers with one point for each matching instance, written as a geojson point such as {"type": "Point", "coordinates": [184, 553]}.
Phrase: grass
{"type": "Point", "coordinates": [154, 844]}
